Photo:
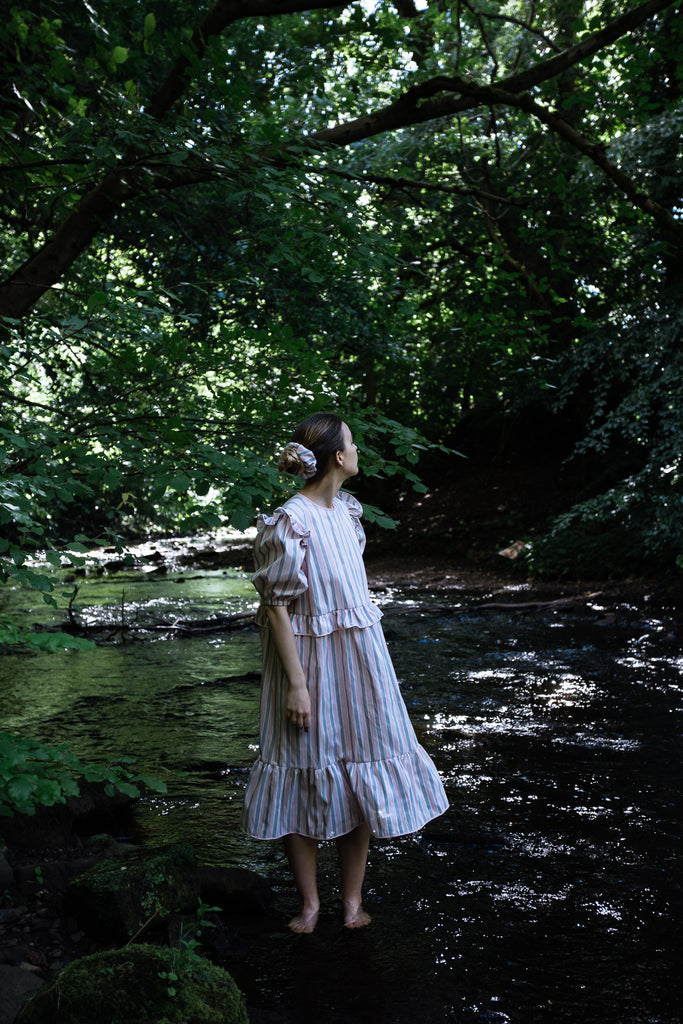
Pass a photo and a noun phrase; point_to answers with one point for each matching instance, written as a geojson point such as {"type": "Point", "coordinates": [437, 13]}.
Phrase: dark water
{"type": "Point", "coordinates": [549, 890]}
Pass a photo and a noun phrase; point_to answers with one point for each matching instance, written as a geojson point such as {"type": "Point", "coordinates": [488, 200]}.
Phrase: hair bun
{"type": "Point", "coordinates": [297, 459]}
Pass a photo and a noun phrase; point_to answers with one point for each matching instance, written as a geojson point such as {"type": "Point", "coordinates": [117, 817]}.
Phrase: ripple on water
{"type": "Point", "coordinates": [545, 893]}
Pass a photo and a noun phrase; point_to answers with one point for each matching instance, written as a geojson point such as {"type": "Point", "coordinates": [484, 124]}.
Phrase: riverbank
{"type": "Point", "coordinates": [548, 708]}
{"type": "Point", "coordinates": [444, 576]}
{"type": "Point", "coordinates": [80, 896]}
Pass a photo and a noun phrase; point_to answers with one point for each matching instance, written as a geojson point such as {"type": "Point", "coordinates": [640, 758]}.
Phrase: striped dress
{"type": "Point", "coordinates": [360, 761]}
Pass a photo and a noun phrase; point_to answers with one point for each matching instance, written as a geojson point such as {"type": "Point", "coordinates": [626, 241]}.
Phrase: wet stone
{"type": "Point", "coordinates": [14, 953]}
{"type": "Point", "coordinates": [118, 897]}
{"type": "Point", "coordinates": [236, 889]}
{"type": "Point", "coordinates": [131, 984]}
{"type": "Point", "coordinates": [9, 914]}
{"type": "Point", "coordinates": [16, 985]}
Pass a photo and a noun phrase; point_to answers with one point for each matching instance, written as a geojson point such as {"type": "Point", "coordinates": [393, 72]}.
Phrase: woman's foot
{"type": "Point", "coordinates": [353, 855]}
{"type": "Point", "coordinates": [302, 852]}
{"type": "Point", "coordinates": [355, 916]}
{"type": "Point", "coordinates": [304, 923]}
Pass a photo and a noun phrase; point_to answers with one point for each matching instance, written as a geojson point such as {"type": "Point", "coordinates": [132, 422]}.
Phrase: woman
{"type": "Point", "coordinates": [339, 757]}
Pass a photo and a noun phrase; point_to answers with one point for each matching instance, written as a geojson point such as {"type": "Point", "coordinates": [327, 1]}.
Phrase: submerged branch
{"type": "Point", "coordinates": [219, 624]}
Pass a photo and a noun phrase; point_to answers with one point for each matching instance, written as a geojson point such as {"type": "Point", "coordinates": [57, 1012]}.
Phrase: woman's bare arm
{"type": "Point", "coordinates": [298, 700]}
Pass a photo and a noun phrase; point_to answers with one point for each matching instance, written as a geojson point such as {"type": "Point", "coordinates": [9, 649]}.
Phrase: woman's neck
{"type": "Point", "coordinates": [323, 491]}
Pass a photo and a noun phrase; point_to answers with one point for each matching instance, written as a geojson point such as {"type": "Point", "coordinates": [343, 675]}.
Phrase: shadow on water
{"type": "Point", "coordinates": [547, 892]}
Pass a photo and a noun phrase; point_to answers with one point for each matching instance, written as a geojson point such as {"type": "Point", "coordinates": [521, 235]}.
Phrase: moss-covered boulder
{"type": "Point", "coordinates": [135, 985]}
{"type": "Point", "coordinates": [235, 889]}
{"type": "Point", "coordinates": [116, 898]}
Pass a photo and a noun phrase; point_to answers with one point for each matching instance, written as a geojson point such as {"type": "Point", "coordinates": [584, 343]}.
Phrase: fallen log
{"type": "Point", "coordinates": [237, 620]}
{"type": "Point", "coordinates": [559, 602]}
{"type": "Point", "coordinates": [508, 606]}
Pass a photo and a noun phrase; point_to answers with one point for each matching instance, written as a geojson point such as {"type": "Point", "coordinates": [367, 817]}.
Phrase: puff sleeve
{"type": "Point", "coordinates": [279, 553]}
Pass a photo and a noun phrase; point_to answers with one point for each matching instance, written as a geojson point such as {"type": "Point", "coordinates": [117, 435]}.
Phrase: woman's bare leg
{"type": "Point", "coordinates": [353, 856]}
{"type": "Point", "coordinates": [302, 854]}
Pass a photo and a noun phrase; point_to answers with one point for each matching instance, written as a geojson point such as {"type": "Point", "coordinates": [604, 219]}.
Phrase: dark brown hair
{"type": "Point", "coordinates": [322, 433]}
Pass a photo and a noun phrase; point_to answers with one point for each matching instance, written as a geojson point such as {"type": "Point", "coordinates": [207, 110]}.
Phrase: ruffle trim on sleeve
{"type": "Point", "coordinates": [353, 505]}
{"type": "Point", "coordinates": [394, 797]}
{"type": "Point", "coordinates": [298, 529]}
{"type": "Point", "coordinates": [279, 553]}
{"type": "Point", "coordinates": [355, 510]}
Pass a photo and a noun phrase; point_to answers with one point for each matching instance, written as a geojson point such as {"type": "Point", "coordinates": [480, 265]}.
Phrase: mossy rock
{"type": "Point", "coordinates": [114, 899]}
{"type": "Point", "coordinates": [136, 985]}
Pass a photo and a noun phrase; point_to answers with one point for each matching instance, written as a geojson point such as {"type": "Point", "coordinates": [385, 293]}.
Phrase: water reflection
{"type": "Point", "coordinates": [546, 891]}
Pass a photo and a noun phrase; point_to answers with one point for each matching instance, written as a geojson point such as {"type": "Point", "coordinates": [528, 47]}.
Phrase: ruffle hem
{"type": "Point", "coordinates": [322, 625]}
{"type": "Point", "coordinates": [395, 797]}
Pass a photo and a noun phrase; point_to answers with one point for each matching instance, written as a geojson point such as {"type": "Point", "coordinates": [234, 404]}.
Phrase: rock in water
{"type": "Point", "coordinates": [118, 896]}
{"type": "Point", "coordinates": [235, 889]}
{"type": "Point", "coordinates": [139, 983]}
{"type": "Point", "coordinates": [15, 987]}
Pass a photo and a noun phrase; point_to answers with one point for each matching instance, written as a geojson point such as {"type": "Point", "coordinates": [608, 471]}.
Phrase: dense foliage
{"type": "Point", "coordinates": [34, 775]}
{"type": "Point", "coordinates": [403, 211]}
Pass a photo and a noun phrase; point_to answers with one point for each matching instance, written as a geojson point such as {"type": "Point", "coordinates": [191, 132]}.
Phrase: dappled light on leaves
{"type": "Point", "coordinates": [422, 216]}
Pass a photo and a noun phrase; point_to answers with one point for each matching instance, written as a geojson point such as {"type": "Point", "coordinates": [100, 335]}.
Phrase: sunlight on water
{"type": "Point", "coordinates": [544, 887]}
{"type": "Point", "coordinates": [570, 690]}
{"type": "Point", "coordinates": [597, 740]}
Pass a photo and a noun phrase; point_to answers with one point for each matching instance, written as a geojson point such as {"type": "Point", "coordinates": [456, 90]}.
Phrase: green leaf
{"type": "Point", "coordinates": [53, 642]}
{"type": "Point", "coordinates": [22, 787]}
{"type": "Point", "coordinates": [180, 482]}
{"type": "Point", "coordinates": [154, 784]}
{"type": "Point", "coordinates": [95, 301]}
{"type": "Point", "coordinates": [128, 789]}
{"type": "Point", "coordinates": [240, 521]}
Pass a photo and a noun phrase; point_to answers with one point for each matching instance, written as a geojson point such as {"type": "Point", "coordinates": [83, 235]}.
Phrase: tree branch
{"type": "Point", "coordinates": [418, 104]}
{"type": "Point", "coordinates": [487, 43]}
{"type": "Point", "coordinates": [509, 18]}
{"type": "Point", "coordinates": [594, 151]}
{"type": "Point", "coordinates": [408, 184]}
{"type": "Point", "coordinates": [222, 14]}
{"type": "Point", "coordinates": [97, 208]}
{"type": "Point", "coordinates": [442, 96]}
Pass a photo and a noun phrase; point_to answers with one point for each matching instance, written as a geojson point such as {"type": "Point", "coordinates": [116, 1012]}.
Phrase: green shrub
{"type": "Point", "coordinates": [33, 775]}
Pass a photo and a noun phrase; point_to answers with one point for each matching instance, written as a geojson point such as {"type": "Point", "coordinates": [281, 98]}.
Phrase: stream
{"type": "Point", "coordinates": [548, 891]}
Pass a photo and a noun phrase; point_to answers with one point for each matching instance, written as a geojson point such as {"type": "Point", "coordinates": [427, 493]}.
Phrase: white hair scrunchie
{"type": "Point", "coordinates": [308, 466]}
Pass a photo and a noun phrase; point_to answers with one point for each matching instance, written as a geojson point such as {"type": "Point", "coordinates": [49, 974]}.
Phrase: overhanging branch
{"type": "Point", "coordinates": [445, 95]}
{"type": "Point", "coordinates": [594, 151]}
{"type": "Point", "coordinates": [20, 292]}
{"type": "Point", "coordinates": [442, 96]}
{"type": "Point", "coordinates": [222, 14]}
{"type": "Point", "coordinates": [417, 185]}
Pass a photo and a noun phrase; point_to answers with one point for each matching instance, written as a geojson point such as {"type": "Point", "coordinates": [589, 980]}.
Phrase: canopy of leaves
{"type": "Point", "coordinates": [404, 211]}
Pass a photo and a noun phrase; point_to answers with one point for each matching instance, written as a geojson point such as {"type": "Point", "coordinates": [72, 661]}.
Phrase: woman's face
{"type": "Point", "coordinates": [349, 452]}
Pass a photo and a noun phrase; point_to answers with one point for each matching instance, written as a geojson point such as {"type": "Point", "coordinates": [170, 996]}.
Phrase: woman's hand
{"type": "Point", "coordinates": [298, 698]}
{"type": "Point", "coordinates": [299, 707]}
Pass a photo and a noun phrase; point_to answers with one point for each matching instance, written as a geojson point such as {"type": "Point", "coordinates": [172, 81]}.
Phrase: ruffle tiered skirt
{"type": "Point", "coordinates": [360, 761]}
